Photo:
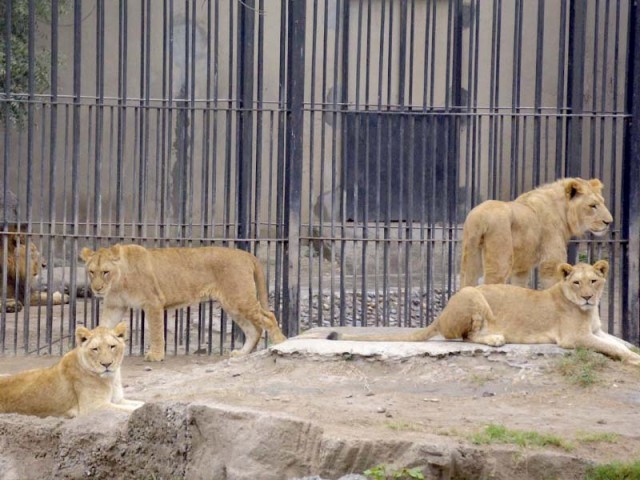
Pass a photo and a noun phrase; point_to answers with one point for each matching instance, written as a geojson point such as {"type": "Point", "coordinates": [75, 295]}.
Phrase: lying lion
{"type": "Point", "coordinates": [565, 313]}
{"type": "Point", "coordinates": [131, 276]}
{"type": "Point", "coordinates": [17, 275]}
{"type": "Point", "coordinates": [508, 239]}
{"type": "Point", "coordinates": [85, 380]}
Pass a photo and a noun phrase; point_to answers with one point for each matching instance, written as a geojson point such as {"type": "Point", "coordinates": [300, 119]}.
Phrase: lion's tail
{"type": "Point", "coordinates": [261, 284]}
{"type": "Point", "coordinates": [419, 335]}
{"type": "Point", "coordinates": [472, 239]}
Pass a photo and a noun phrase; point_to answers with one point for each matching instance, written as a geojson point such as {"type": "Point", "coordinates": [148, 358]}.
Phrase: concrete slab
{"type": "Point", "coordinates": [313, 343]}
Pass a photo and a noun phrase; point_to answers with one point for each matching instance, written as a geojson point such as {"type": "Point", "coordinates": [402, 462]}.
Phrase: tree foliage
{"type": "Point", "coordinates": [14, 92]}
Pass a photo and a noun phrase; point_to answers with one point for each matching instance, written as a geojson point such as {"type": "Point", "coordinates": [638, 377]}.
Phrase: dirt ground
{"type": "Point", "coordinates": [454, 396]}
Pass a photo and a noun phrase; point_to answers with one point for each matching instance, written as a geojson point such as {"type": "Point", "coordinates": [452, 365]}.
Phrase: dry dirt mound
{"type": "Point", "coordinates": [283, 416]}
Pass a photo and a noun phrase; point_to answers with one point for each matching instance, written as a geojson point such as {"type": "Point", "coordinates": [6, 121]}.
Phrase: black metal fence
{"type": "Point", "coordinates": [341, 141]}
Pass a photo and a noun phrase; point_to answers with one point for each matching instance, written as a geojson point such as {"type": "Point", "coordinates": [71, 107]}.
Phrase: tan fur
{"type": "Point", "coordinates": [505, 240]}
{"type": "Point", "coordinates": [84, 380]}
{"type": "Point", "coordinates": [565, 313]}
{"type": "Point", "coordinates": [154, 279]}
{"type": "Point", "coordinates": [16, 269]}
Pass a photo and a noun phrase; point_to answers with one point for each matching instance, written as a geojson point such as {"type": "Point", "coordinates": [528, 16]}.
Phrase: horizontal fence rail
{"type": "Point", "coordinates": [343, 142]}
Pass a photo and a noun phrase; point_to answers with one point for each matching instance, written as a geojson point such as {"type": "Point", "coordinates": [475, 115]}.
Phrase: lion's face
{"type": "Point", "coordinates": [583, 284]}
{"type": "Point", "coordinates": [101, 350]}
{"type": "Point", "coordinates": [102, 267]}
{"type": "Point", "coordinates": [587, 209]}
{"type": "Point", "coordinates": [17, 257]}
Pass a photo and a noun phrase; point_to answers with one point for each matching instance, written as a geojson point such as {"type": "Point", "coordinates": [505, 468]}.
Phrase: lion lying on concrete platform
{"type": "Point", "coordinates": [565, 313]}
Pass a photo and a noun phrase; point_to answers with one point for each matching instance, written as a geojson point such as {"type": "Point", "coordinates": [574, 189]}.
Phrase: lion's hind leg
{"type": "Point", "coordinates": [11, 305]}
{"type": "Point", "coordinates": [41, 298]}
{"type": "Point", "coordinates": [252, 334]}
{"type": "Point", "coordinates": [469, 316]}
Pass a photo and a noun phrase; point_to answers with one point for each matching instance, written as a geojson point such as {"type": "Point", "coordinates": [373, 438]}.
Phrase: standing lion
{"type": "Point", "coordinates": [506, 240]}
{"type": "Point", "coordinates": [155, 279]}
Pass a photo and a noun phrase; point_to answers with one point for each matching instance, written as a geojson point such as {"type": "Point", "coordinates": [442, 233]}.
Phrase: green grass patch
{"type": "Point", "coordinates": [381, 472]}
{"type": "Point", "coordinates": [589, 437]}
{"type": "Point", "coordinates": [494, 433]}
{"type": "Point", "coordinates": [403, 427]}
{"type": "Point", "coordinates": [582, 366]}
{"type": "Point", "coordinates": [614, 471]}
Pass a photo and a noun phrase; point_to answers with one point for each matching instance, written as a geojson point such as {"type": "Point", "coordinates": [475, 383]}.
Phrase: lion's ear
{"type": "Point", "coordinates": [602, 267]}
{"type": "Point", "coordinates": [596, 185]}
{"type": "Point", "coordinates": [564, 270]}
{"type": "Point", "coordinates": [82, 335]}
{"type": "Point", "coordinates": [17, 238]}
{"type": "Point", "coordinates": [121, 330]}
{"type": "Point", "coordinates": [572, 187]}
{"type": "Point", "coordinates": [86, 254]}
{"type": "Point", "coordinates": [116, 252]}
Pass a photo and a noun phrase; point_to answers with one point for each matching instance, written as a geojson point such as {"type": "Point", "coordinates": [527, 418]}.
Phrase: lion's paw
{"type": "Point", "coordinates": [153, 357]}
{"type": "Point", "coordinates": [60, 298]}
{"type": "Point", "coordinates": [237, 353]}
{"type": "Point", "coordinates": [494, 340]}
{"type": "Point", "coordinates": [12, 306]}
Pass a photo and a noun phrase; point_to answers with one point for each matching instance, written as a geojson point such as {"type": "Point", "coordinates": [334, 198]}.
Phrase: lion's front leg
{"type": "Point", "coordinates": [156, 332]}
{"type": "Point", "coordinates": [609, 348]}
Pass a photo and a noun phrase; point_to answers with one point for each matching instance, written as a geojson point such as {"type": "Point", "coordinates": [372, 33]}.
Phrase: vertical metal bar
{"type": "Point", "coordinates": [294, 156]}
{"type": "Point", "coordinates": [244, 128]}
{"type": "Point", "coordinates": [631, 186]}
{"type": "Point", "coordinates": [75, 155]}
{"type": "Point", "coordinates": [537, 136]}
{"type": "Point", "coordinates": [453, 138]}
{"type": "Point", "coordinates": [614, 157]}
{"type": "Point", "coordinates": [516, 69]}
{"type": "Point", "coordinates": [344, 19]}
{"type": "Point", "coordinates": [53, 143]}
{"type": "Point", "coordinates": [5, 166]}
{"type": "Point", "coordinates": [30, 140]}
{"type": "Point", "coordinates": [560, 93]}
{"type": "Point", "coordinates": [122, 115]}
{"type": "Point", "coordinates": [575, 87]}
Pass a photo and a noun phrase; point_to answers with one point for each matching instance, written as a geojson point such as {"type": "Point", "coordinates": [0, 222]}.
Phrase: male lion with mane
{"type": "Point", "coordinates": [85, 380]}
{"type": "Point", "coordinates": [508, 239]}
{"type": "Point", "coordinates": [565, 313]}
{"type": "Point", "coordinates": [18, 277]}
{"type": "Point", "coordinates": [154, 279]}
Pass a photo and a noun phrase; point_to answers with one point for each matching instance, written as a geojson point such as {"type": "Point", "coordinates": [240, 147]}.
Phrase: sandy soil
{"type": "Point", "coordinates": [454, 396]}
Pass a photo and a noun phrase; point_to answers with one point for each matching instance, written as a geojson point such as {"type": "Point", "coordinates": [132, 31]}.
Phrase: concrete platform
{"type": "Point", "coordinates": [313, 343]}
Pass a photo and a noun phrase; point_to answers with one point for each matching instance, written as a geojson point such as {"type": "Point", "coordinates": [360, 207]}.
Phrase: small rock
{"type": "Point", "coordinates": [147, 369]}
{"type": "Point", "coordinates": [488, 394]}
{"type": "Point", "coordinates": [381, 409]}
{"type": "Point", "coordinates": [388, 415]}
{"type": "Point", "coordinates": [601, 422]}
{"type": "Point", "coordinates": [369, 394]}
{"type": "Point", "coordinates": [434, 400]}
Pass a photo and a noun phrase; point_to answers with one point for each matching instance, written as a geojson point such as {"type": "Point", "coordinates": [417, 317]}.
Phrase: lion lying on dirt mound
{"type": "Point", "coordinates": [565, 313]}
{"type": "Point", "coordinates": [131, 276]}
{"type": "Point", "coordinates": [16, 263]}
{"type": "Point", "coordinates": [84, 380]}
{"type": "Point", "coordinates": [508, 239]}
